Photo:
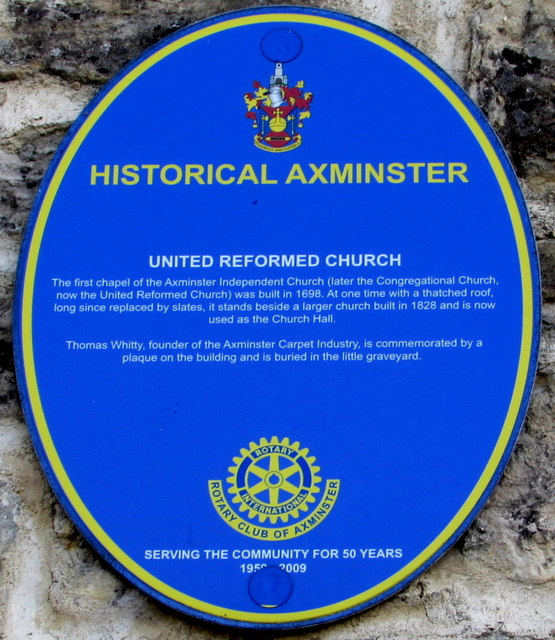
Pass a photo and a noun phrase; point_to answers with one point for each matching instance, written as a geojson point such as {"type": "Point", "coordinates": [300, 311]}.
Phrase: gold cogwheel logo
{"type": "Point", "coordinates": [274, 480]}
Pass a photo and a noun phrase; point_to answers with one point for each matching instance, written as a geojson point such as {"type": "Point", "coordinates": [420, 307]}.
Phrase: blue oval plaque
{"type": "Point", "coordinates": [277, 317]}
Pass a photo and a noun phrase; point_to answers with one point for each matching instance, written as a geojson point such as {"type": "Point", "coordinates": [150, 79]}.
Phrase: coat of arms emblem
{"type": "Point", "coordinates": [279, 110]}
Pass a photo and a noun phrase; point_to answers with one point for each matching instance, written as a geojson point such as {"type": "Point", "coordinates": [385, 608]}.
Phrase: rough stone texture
{"type": "Point", "coordinates": [498, 582]}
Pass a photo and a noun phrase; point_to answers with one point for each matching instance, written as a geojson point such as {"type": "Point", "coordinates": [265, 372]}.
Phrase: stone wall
{"type": "Point", "coordinates": [498, 581]}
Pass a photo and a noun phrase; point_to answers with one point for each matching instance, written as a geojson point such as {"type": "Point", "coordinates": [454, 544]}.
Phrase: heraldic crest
{"type": "Point", "coordinates": [278, 111]}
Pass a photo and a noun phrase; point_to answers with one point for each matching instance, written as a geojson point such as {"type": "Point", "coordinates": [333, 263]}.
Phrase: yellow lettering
{"type": "Point", "coordinates": [436, 171]}
{"type": "Point", "coordinates": [249, 174]}
{"type": "Point", "coordinates": [105, 175]}
{"type": "Point", "coordinates": [416, 166]}
{"type": "Point", "coordinates": [195, 171]}
{"type": "Point", "coordinates": [459, 170]}
{"type": "Point", "coordinates": [317, 173]}
{"type": "Point", "coordinates": [296, 173]}
{"type": "Point", "coordinates": [264, 176]}
{"type": "Point", "coordinates": [396, 172]}
{"type": "Point", "coordinates": [220, 178]}
{"type": "Point", "coordinates": [210, 174]}
{"type": "Point", "coordinates": [130, 173]}
{"type": "Point", "coordinates": [171, 167]}
{"type": "Point", "coordinates": [371, 173]}
{"type": "Point", "coordinates": [150, 172]}
{"type": "Point", "coordinates": [341, 176]}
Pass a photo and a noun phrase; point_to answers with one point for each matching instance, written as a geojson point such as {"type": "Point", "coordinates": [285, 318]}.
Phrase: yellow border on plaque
{"type": "Point", "coordinates": [27, 330]}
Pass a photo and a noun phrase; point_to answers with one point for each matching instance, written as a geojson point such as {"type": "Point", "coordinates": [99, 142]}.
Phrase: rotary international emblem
{"type": "Point", "coordinates": [274, 491]}
{"type": "Point", "coordinates": [278, 110]}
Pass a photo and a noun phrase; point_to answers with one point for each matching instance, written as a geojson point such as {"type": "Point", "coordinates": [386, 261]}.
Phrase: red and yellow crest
{"type": "Point", "coordinates": [278, 112]}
